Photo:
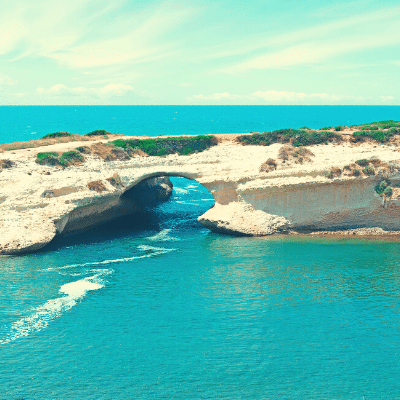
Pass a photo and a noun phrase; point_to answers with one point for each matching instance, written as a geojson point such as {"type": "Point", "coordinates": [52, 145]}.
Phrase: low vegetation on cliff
{"type": "Point", "coordinates": [54, 159]}
{"type": "Point", "coordinates": [297, 137]}
{"type": "Point", "coordinates": [380, 125]}
{"type": "Point", "coordinates": [377, 135]}
{"type": "Point", "coordinates": [384, 189]}
{"type": "Point", "coordinates": [171, 145]}
{"type": "Point", "coordinates": [287, 155]}
{"type": "Point", "coordinates": [56, 135]}
{"type": "Point", "coordinates": [98, 132]}
{"type": "Point", "coordinates": [6, 164]}
{"type": "Point", "coordinates": [364, 168]}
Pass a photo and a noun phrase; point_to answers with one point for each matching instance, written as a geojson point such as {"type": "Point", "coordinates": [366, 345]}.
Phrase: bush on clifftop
{"type": "Point", "coordinates": [298, 137]}
{"type": "Point", "coordinates": [171, 145]}
{"type": "Point", "coordinates": [373, 126]}
{"type": "Point", "coordinates": [98, 133]}
{"type": "Point", "coordinates": [379, 136]}
{"type": "Point", "coordinates": [56, 135]}
{"type": "Point", "coordinates": [382, 186]}
{"type": "Point", "coordinates": [53, 159]}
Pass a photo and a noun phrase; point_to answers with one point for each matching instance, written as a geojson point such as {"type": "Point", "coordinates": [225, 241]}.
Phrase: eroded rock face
{"type": "Point", "coordinates": [241, 219]}
{"type": "Point", "coordinates": [30, 231]}
{"type": "Point", "coordinates": [38, 202]}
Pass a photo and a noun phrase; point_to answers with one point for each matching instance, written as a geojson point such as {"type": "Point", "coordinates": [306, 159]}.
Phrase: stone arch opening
{"type": "Point", "coordinates": [148, 191]}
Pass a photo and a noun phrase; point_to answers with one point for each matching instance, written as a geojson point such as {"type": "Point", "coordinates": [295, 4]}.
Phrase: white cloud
{"type": "Point", "coordinates": [85, 34]}
{"type": "Point", "coordinates": [387, 99]}
{"type": "Point", "coordinates": [380, 22]}
{"type": "Point", "coordinates": [217, 96]}
{"type": "Point", "coordinates": [284, 97]}
{"type": "Point", "coordinates": [278, 97]}
{"type": "Point", "coordinates": [109, 90]}
{"type": "Point", "coordinates": [321, 43]}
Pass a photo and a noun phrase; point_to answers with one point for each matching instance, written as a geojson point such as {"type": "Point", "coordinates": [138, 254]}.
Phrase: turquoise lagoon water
{"type": "Point", "coordinates": [155, 306]}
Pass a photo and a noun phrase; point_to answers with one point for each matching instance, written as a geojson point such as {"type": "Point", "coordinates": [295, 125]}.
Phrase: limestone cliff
{"type": "Point", "coordinates": [257, 191]}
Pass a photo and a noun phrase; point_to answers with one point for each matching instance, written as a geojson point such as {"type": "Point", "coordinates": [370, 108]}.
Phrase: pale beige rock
{"type": "Point", "coordinates": [295, 196]}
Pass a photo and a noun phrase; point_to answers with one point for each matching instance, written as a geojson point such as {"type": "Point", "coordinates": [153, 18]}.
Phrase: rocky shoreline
{"type": "Point", "coordinates": [343, 188]}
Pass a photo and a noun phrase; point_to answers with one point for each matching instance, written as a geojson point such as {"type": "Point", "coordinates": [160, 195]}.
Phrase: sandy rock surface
{"type": "Point", "coordinates": [36, 202]}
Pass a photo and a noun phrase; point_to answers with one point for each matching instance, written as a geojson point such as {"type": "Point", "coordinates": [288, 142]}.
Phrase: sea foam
{"type": "Point", "coordinates": [157, 251]}
{"type": "Point", "coordinates": [162, 236]}
{"type": "Point", "coordinates": [42, 315]}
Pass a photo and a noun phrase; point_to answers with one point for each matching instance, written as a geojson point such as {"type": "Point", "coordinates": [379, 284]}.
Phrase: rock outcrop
{"type": "Point", "coordinates": [38, 202]}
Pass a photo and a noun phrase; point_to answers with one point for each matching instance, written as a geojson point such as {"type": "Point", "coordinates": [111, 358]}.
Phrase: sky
{"type": "Point", "coordinates": [199, 52]}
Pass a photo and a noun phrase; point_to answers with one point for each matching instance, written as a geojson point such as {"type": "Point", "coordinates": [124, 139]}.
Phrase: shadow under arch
{"type": "Point", "coordinates": [188, 200]}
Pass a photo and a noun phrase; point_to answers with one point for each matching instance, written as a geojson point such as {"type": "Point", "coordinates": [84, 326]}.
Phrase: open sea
{"type": "Point", "coordinates": [157, 307]}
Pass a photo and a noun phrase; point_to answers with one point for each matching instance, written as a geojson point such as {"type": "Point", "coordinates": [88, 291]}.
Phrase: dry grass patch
{"type": "Point", "coordinates": [6, 164]}
{"type": "Point", "coordinates": [49, 141]}
{"type": "Point", "coordinates": [59, 192]}
{"type": "Point", "coordinates": [116, 181]}
{"type": "Point", "coordinates": [334, 172]}
{"type": "Point", "coordinates": [298, 155]}
{"type": "Point", "coordinates": [97, 186]}
{"type": "Point", "coordinates": [268, 166]}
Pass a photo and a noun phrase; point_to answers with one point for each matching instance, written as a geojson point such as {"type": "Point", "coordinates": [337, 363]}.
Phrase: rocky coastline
{"type": "Point", "coordinates": [341, 187]}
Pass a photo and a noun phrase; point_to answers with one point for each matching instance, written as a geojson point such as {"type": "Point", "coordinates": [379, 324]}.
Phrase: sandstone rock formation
{"type": "Point", "coordinates": [38, 202]}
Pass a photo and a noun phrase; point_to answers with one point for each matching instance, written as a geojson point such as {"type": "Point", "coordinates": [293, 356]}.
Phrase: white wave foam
{"type": "Point", "coordinates": [52, 309]}
{"type": "Point", "coordinates": [158, 250]}
{"type": "Point", "coordinates": [180, 190]}
{"type": "Point", "coordinates": [162, 236]}
{"type": "Point", "coordinates": [190, 203]}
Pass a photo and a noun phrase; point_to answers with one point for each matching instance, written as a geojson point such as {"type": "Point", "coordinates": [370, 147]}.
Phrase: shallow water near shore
{"type": "Point", "coordinates": [156, 306]}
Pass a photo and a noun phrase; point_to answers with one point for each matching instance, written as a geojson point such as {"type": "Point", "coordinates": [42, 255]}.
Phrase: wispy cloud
{"type": "Point", "coordinates": [111, 89]}
{"type": "Point", "coordinates": [71, 34]}
{"type": "Point", "coordinates": [278, 97]}
{"type": "Point", "coordinates": [217, 96]}
{"type": "Point", "coordinates": [318, 44]}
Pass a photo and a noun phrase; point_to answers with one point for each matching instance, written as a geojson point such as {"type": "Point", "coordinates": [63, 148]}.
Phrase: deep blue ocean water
{"type": "Point", "coordinates": [33, 122]}
{"type": "Point", "coordinates": [157, 307]}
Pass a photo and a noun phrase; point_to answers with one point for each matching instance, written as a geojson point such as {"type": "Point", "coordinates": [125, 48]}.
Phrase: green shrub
{"type": "Point", "coordinates": [368, 171]}
{"type": "Point", "coordinates": [388, 191]}
{"type": "Point", "coordinates": [339, 128]}
{"type": "Point", "coordinates": [53, 159]}
{"type": "Point", "coordinates": [362, 163]}
{"type": "Point", "coordinates": [50, 158]}
{"type": "Point", "coordinates": [83, 149]}
{"type": "Point", "coordinates": [40, 156]}
{"type": "Point", "coordinates": [162, 152]}
{"type": "Point", "coordinates": [171, 145]}
{"type": "Point", "coordinates": [71, 156]}
{"type": "Point", "coordinates": [97, 133]}
{"type": "Point", "coordinates": [304, 127]}
{"type": "Point", "coordinates": [356, 172]}
{"type": "Point", "coordinates": [382, 186]}
{"type": "Point", "coordinates": [379, 136]}
{"type": "Point", "coordinates": [298, 137]}
{"type": "Point", "coordinates": [378, 125]}
{"type": "Point", "coordinates": [56, 135]}
{"type": "Point", "coordinates": [326, 128]}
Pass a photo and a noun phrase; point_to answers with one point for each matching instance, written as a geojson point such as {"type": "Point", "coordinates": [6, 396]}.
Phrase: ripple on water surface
{"type": "Point", "coordinates": [185, 313]}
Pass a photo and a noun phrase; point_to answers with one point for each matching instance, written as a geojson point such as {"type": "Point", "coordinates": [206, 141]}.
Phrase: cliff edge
{"type": "Point", "coordinates": [258, 189]}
